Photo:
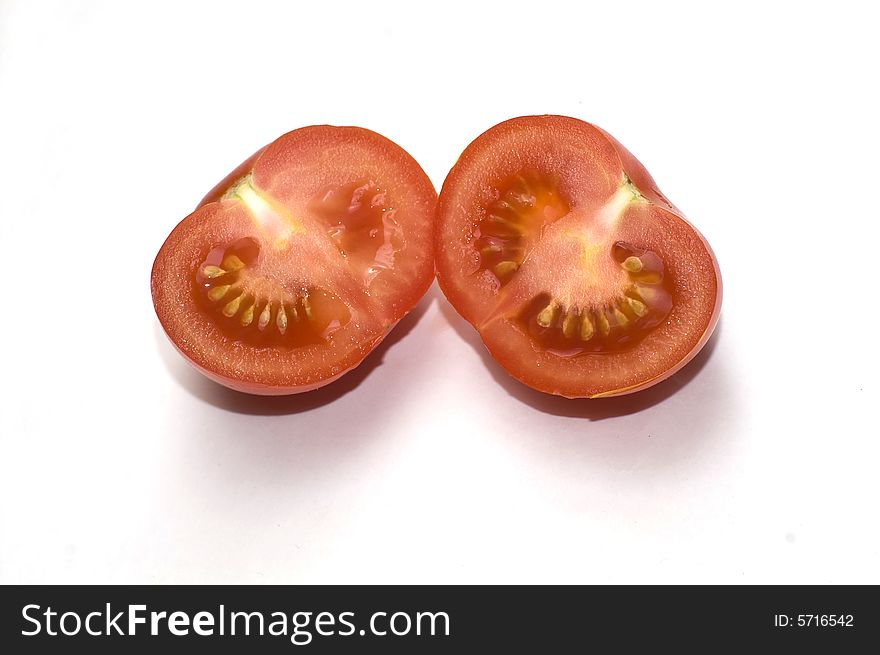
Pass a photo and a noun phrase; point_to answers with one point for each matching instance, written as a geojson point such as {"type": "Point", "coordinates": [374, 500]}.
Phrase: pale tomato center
{"type": "Point", "coordinates": [251, 307]}
{"type": "Point", "coordinates": [564, 278]}
{"type": "Point", "coordinates": [642, 303]}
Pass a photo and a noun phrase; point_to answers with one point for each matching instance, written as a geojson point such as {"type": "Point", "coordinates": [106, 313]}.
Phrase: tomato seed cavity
{"type": "Point", "coordinates": [643, 304]}
{"type": "Point", "coordinates": [525, 202]}
{"type": "Point", "coordinates": [255, 310]}
{"type": "Point", "coordinates": [363, 223]}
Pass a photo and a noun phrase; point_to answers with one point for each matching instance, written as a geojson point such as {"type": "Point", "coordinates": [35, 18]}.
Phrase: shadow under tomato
{"type": "Point", "coordinates": [235, 401]}
{"type": "Point", "coordinates": [595, 409]}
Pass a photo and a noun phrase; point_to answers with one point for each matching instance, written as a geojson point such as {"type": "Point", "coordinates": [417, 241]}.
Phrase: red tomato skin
{"type": "Point", "coordinates": [257, 389]}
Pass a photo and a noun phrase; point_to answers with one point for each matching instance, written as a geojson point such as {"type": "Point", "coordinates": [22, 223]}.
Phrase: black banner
{"type": "Point", "coordinates": [55, 619]}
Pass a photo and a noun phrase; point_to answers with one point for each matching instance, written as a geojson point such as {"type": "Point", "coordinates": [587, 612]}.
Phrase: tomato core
{"type": "Point", "coordinates": [612, 295]}
{"type": "Point", "coordinates": [643, 304]}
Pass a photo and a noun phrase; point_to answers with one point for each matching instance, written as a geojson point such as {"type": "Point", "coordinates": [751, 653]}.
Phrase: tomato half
{"type": "Point", "coordinates": [299, 263]}
{"type": "Point", "coordinates": [582, 279]}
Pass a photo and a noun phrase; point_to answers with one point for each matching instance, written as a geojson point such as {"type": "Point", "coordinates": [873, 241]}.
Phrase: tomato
{"type": "Point", "coordinates": [300, 262]}
{"type": "Point", "coordinates": [582, 279]}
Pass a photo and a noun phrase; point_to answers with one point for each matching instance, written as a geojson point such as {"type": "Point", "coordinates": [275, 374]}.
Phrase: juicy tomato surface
{"type": "Point", "coordinates": [582, 279]}
{"type": "Point", "coordinates": [299, 263]}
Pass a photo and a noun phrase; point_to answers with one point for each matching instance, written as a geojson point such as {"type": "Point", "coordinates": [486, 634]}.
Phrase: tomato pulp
{"type": "Point", "coordinates": [582, 279]}
{"type": "Point", "coordinates": [299, 263]}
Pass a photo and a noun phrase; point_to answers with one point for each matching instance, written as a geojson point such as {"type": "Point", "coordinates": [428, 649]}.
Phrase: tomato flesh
{"type": "Point", "coordinates": [582, 279]}
{"type": "Point", "coordinates": [298, 263]}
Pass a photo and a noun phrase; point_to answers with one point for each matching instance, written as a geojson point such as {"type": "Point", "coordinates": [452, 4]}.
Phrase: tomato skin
{"type": "Point", "coordinates": [587, 165]}
{"type": "Point", "coordinates": [260, 389]}
{"type": "Point", "coordinates": [283, 177]}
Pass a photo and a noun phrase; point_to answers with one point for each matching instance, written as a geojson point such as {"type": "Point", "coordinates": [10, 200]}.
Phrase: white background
{"type": "Point", "coordinates": [757, 463]}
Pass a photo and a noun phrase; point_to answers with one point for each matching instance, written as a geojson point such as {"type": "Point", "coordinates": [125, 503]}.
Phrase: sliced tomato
{"type": "Point", "coordinates": [582, 279]}
{"type": "Point", "coordinates": [300, 262]}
